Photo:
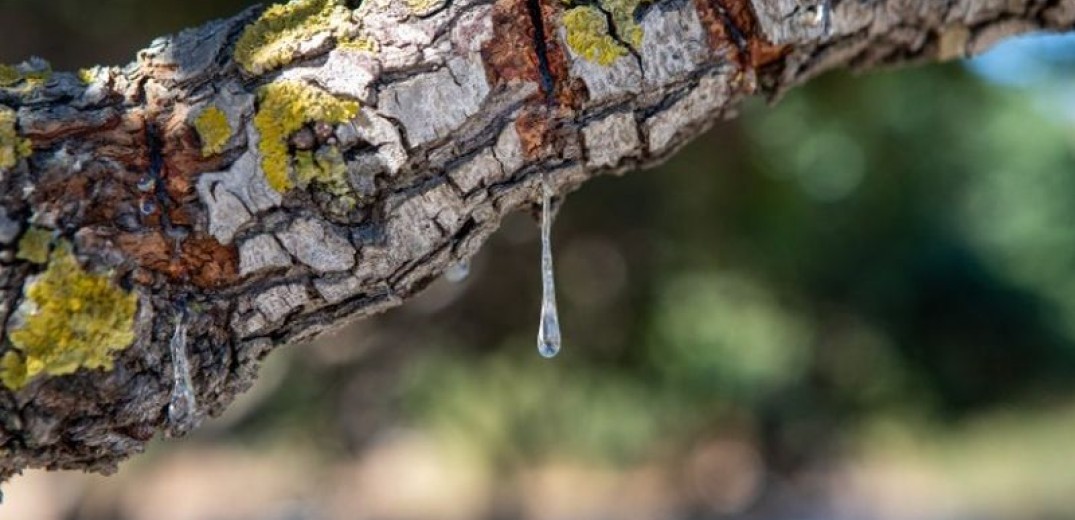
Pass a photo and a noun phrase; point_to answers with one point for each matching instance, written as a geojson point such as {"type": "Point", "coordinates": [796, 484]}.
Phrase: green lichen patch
{"type": "Point", "coordinates": [29, 74]}
{"type": "Point", "coordinates": [37, 77]}
{"type": "Point", "coordinates": [12, 147]}
{"type": "Point", "coordinates": [327, 170]}
{"type": "Point", "coordinates": [71, 319]}
{"type": "Point", "coordinates": [274, 38]}
{"type": "Point", "coordinates": [360, 44]}
{"type": "Point", "coordinates": [424, 7]}
{"type": "Point", "coordinates": [623, 16]}
{"type": "Point", "coordinates": [213, 129]}
{"type": "Point", "coordinates": [89, 76]}
{"type": "Point", "coordinates": [86, 76]}
{"type": "Point", "coordinates": [589, 33]}
{"type": "Point", "coordinates": [9, 75]}
{"type": "Point", "coordinates": [34, 245]}
{"type": "Point", "coordinates": [284, 107]}
{"type": "Point", "coordinates": [588, 36]}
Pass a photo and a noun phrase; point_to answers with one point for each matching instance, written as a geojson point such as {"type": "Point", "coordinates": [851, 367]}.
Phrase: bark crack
{"type": "Point", "coordinates": [537, 20]}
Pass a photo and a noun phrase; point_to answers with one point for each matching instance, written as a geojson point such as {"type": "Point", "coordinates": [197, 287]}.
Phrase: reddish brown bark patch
{"type": "Point", "coordinates": [517, 52]}
{"type": "Point", "coordinates": [721, 41]}
{"type": "Point", "coordinates": [199, 259]}
{"type": "Point", "coordinates": [183, 157]}
{"type": "Point", "coordinates": [569, 91]}
{"type": "Point", "coordinates": [209, 262]}
{"type": "Point", "coordinates": [733, 23]}
{"type": "Point", "coordinates": [534, 127]}
{"type": "Point", "coordinates": [763, 53]}
{"type": "Point", "coordinates": [510, 54]}
{"type": "Point", "coordinates": [145, 214]}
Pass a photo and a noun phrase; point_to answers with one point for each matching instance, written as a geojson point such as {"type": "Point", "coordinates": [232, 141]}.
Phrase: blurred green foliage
{"type": "Point", "coordinates": [891, 245]}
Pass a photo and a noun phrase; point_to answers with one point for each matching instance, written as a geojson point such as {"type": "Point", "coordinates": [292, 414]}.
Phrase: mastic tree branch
{"type": "Point", "coordinates": [262, 179]}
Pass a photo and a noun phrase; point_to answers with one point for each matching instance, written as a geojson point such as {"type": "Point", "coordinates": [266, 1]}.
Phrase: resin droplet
{"type": "Point", "coordinates": [458, 272]}
{"type": "Point", "coordinates": [183, 407]}
{"type": "Point", "coordinates": [146, 184]}
{"type": "Point", "coordinates": [548, 339]}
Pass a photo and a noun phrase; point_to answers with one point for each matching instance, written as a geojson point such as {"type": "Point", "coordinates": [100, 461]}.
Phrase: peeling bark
{"type": "Point", "coordinates": [466, 106]}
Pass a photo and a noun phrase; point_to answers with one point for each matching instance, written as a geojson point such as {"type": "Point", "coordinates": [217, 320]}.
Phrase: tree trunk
{"type": "Point", "coordinates": [262, 179]}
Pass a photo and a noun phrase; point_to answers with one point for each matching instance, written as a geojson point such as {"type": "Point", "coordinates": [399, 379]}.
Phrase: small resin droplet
{"type": "Point", "coordinates": [148, 207]}
{"type": "Point", "coordinates": [183, 407]}
{"type": "Point", "coordinates": [548, 339]}
{"type": "Point", "coordinates": [458, 272]}
{"type": "Point", "coordinates": [146, 184]}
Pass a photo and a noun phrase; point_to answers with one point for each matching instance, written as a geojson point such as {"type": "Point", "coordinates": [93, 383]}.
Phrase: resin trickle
{"type": "Point", "coordinates": [183, 407]}
{"type": "Point", "coordinates": [548, 339]}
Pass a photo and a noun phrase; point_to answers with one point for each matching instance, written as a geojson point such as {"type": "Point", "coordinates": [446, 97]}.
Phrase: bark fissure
{"type": "Point", "coordinates": [548, 80]}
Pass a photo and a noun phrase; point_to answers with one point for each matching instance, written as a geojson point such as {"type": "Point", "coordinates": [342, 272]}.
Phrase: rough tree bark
{"type": "Point", "coordinates": [262, 179]}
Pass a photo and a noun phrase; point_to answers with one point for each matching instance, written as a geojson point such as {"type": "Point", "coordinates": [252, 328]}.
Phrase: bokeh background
{"type": "Point", "coordinates": [856, 304]}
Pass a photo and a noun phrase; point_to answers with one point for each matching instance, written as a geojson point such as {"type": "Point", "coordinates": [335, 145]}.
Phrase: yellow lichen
{"type": "Point", "coordinates": [306, 168]}
{"type": "Point", "coordinates": [13, 371]}
{"type": "Point", "coordinates": [361, 44]}
{"type": "Point", "coordinates": [213, 129]}
{"type": "Point", "coordinates": [72, 319]}
{"type": "Point", "coordinates": [36, 77]}
{"type": "Point", "coordinates": [12, 147]}
{"type": "Point", "coordinates": [274, 38]}
{"type": "Point", "coordinates": [327, 169]}
{"type": "Point", "coordinates": [9, 75]}
{"type": "Point", "coordinates": [284, 107]}
{"type": "Point", "coordinates": [424, 7]}
{"type": "Point", "coordinates": [34, 72]}
{"type": "Point", "coordinates": [34, 245]}
{"type": "Point", "coordinates": [623, 16]}
{"type": "Point", "coordinates": [87, 76]}
{"type": "Point", "coordinates": [589, 34]}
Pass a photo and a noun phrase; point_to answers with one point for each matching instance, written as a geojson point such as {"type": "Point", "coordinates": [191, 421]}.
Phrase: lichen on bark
{"type": "Point", "coordinates": [273, 39]}
{"type": "Point", "coordinates": [71, 319]}
{"type": "Point", "coordinates": [284, 107]}
{"type": "Point", "coordinates": [13, 147]}
{"type": "Point", "coordinates": [213, 129]}
{"type": "Point", "coordinates": [603, 31]}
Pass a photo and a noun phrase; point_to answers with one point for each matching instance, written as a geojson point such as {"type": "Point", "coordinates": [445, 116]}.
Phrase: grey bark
{"type": "Point", "coordinates": [467, 106]}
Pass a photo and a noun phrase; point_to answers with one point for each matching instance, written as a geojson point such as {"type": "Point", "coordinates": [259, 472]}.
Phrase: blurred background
{"type": "Point", "coordinates": [857, 304]}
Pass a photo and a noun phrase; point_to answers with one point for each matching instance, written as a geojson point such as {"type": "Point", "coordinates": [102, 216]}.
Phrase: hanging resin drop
{"type": "Point", "coordinates": [548, 338]}
{"type": "Point", "coordinates": [183, 407]}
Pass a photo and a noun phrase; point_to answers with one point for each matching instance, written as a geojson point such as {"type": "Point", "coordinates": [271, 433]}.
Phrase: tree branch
{"type": "Point", "coordinates": [260, 180]}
